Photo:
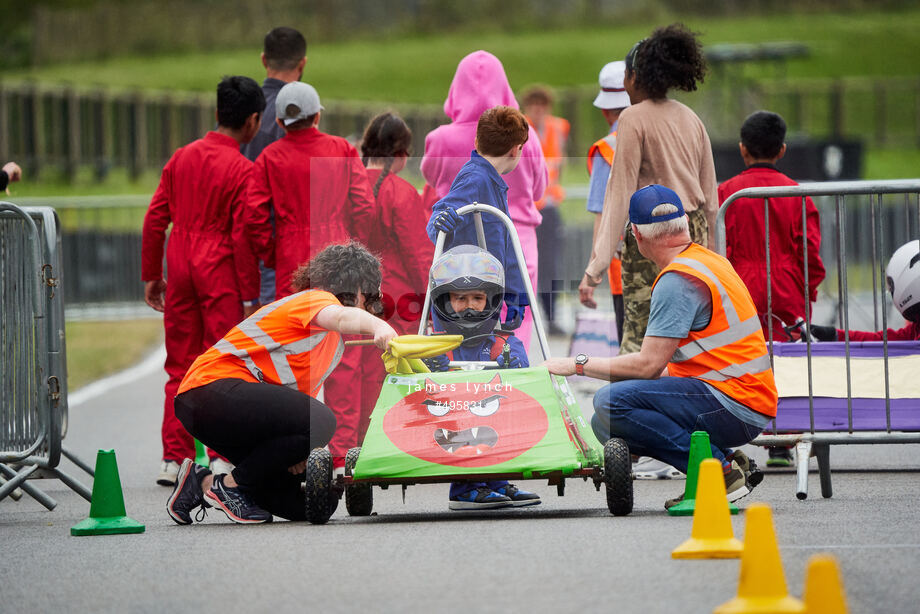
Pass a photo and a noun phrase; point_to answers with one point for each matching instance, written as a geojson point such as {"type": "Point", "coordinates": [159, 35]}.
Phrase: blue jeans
{"type": "Point", "coordinates": [656, 418]}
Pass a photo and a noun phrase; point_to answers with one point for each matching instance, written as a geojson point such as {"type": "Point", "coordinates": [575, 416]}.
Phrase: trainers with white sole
{"type": "Point", "coordinates": [187, 494]}
{"type": "Point", "coordinates": [648, 468]}
{"type": "Point", "coordinates": [235, 504]}
{"type": "Point", "coordinates": [219, 466]}
{"type": "Point", "coordinates": [169, 469]}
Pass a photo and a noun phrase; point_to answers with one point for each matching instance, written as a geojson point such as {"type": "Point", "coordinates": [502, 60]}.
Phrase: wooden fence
{"type": "Point", "coordinates": [68, 129]}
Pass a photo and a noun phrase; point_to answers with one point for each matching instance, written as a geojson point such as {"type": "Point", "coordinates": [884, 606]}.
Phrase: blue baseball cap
{"type": "Point", "coordinates": [644, 201]}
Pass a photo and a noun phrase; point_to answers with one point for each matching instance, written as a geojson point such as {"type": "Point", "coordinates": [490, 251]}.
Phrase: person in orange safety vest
{"type": "Point", "coordinates": [703, 365]}
{"type": "Point", "coordinates": [537, 103]}
{"type": "Point", "coordinates": [252, 395]}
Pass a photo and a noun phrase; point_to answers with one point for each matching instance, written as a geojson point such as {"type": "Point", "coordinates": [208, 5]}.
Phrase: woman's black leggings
{"type": "Point", "coordinates": [262, 429]}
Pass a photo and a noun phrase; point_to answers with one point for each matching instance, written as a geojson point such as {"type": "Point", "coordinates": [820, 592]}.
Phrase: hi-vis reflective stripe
{"type": "Point", "coordinates": [277, 352]}
{"type": "Point", "coordinates": [730, 313]}
{"type": "Point", "coordinates": [712, 342]}
{"type": "Point", "coordinates": [751, 367]}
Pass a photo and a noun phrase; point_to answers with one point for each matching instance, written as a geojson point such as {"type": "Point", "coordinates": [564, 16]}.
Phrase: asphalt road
{"type": "Point", "coordinates": [565, 555]}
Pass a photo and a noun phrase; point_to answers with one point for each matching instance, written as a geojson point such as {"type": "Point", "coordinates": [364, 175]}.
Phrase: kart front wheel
{"type": "Point", "coordinates": [359, 498]}
{"type": "Point", "coordinates": [319, 498]}
{"type": "Point", "coordinates": [618, 477]}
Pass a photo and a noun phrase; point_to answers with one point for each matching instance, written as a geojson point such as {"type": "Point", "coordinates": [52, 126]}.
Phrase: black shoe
{"type": "Point", "coordinates": [187, 494]}
{"type": "Point", "coordinates": [753, 474]}
{"type": "Point", "coordinates": [779, 457]}
{"type": "Point", "coordinates": [236, 504]}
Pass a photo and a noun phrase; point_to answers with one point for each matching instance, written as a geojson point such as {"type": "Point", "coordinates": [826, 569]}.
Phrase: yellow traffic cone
{"type": "Point", "coordinates": [823, 587]}
{"type": "Point", "coordinates": [711, 536]}
{"type": "Point", "coordinates": [762, 586]}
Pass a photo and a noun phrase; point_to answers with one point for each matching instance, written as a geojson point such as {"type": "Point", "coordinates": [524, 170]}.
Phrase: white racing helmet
{"type": "Point", "coordinates": [903, 274]}
{"type": "Point", "coordinates": [463, 268]}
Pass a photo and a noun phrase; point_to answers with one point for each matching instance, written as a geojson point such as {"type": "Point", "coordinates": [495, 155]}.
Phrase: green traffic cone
{"type": "Point", "coordinates": [700, 450]}
{"type": "Point", "coordinates": [201, 454]}
{"type": "Point", "coordinates": [107, 510]}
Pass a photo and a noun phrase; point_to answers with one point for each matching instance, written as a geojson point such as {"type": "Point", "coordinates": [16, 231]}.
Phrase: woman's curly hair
{"type": "Point", "coordinates": [671, 57]}
{"type": "Point", "coordinates": [342, 270]}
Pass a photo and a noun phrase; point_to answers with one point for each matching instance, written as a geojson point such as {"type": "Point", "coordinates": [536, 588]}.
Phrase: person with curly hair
{"type": "Point", "coordinates": [252, 395]}
{"type": "Point", "coordinates": [661, 141]}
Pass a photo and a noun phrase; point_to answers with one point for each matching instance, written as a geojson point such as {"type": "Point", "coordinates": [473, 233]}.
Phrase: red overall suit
{"type": "Point", "coordinates": [745, 241]}
{"type": "Point", "coordinates": [319, 191]}
{"type": "Point", "coordinates": [405, 254]}
{"type": "Point", "coordinates": [210, 266]}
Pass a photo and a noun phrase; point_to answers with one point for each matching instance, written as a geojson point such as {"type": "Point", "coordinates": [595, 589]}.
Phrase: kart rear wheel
{"type": "Point", "coordinates": [359, 498]}
{"type": "Point", "coordinates": [319, 498]}
{"type": "Point", "coordinates": [618, 477]}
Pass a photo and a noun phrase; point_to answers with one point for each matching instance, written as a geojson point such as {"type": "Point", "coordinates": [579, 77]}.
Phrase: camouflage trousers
{"type": "Point", "coordinates": [639, 274]}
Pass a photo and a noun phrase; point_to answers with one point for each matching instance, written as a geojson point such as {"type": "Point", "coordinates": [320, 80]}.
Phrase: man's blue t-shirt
{"type": "Point", "coordinates": [681, 303]}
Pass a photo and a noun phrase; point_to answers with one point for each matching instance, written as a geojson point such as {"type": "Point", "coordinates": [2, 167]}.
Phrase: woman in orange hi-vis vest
{"type": "Point", "coordinates": [252, 395]}
{"type": "Point", "coordinates": [704, 333]}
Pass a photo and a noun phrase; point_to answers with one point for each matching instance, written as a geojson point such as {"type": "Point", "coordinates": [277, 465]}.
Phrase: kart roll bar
{"type": "Point", "coordinates": [477, 209]}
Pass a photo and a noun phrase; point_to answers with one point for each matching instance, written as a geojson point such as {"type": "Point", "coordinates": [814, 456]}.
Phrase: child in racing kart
{"type": "Point", "coordinates": [467, 289]}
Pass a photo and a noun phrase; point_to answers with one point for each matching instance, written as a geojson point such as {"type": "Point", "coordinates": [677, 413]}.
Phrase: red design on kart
{"type": "Point", "coordinates": [466, 425]}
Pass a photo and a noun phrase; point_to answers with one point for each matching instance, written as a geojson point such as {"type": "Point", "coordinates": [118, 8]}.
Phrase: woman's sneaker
{"type": "Point", "coordinates": [481, 498]}
{"type": "Point", "coordinates": [235, 503]}
{"type": "Point", "coordinates": [519, 498]}
{"type": "Point", "coordinates": [187, 494]}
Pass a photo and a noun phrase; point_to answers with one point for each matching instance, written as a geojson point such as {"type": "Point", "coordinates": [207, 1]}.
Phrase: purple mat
{"type": "Point", "coordinates": [831, 413]}
{"type": "Point", "coordinates": [858, 349]}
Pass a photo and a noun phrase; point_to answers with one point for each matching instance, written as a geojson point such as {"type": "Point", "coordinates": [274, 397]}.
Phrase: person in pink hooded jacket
{"type": "Point", "coordinates": [479, 84]}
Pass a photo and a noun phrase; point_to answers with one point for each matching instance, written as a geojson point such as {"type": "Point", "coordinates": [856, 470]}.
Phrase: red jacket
{"type": "Point", "coordinates": [404, 250]}
{"type": "Point", "coordinates": [744, 226]}
{"type": "Point", "coordinates": [202, 193]}
{"type": "Point", "coordinates": [320, 195]}
{"type": "Point", "coordinates": [911, 332]}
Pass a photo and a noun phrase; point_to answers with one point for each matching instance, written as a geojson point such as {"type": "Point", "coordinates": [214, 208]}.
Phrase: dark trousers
{"type": "Point", "coordinates": [549, 257]}
{"type": "Point", "coordinates": [262, 429]}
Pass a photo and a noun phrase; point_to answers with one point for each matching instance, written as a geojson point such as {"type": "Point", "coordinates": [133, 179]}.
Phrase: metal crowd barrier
{"type": "Point", "coordinates": [33, 370]}
{"type": "Point", "coordinates": [893, 209]}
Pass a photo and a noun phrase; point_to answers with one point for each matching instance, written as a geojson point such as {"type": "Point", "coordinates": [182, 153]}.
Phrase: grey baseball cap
{"type": "Point", "coordinates": [296, 101]}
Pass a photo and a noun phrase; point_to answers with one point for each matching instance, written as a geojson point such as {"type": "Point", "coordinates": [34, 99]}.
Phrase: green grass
{"type": "Point", "coordinates": [97, 349]}
{"type": "Point", "coordinates": [419, 69]}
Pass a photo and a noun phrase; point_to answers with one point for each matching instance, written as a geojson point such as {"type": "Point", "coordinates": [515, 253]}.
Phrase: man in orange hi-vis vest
{"type": "Point", "coordinates": [703, 365]}
{"type": "Point", "coordinates": [252, 395]}
{"type": "Point", "coordinates": [537, 102]}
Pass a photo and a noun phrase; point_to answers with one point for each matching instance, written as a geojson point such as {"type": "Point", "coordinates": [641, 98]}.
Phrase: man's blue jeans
{"type": "Point", "coordinates": [656, 417]}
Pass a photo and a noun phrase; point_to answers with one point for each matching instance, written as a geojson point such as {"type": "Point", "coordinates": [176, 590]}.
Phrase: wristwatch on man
{"type": "Point", "coordinates": [580, 361]}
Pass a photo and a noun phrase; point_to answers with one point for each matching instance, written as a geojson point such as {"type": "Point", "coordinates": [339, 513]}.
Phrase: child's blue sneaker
{"type": "Point", "coordinates": [479, 499]}
{"type": "Point", "coordinates": [519, 498]}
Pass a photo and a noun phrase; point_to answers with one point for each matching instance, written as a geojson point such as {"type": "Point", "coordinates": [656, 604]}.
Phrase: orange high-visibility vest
{"type": "Point", "coordinates": [730, 353]}
{"type": "Point", "coordinates": [607, 148]}
{"type": "Point", "coordinates": [278, 344]}
{"type": "Point", "coordinates": [552, 140]}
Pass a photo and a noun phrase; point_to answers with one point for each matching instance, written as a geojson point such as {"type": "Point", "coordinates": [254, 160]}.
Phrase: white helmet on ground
{"type": "Point", "coordinates": [903, 275]}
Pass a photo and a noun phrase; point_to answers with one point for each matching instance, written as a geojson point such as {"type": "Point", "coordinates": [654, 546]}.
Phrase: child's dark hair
{"type": "Point", "coordinates": [237, 99]}
{"type": "Point", "coordinates": [385, 137]}
{"type": "Point", "coordinates": [284, 48]}
{"type": "Point", "coordinates": [499, 129]}
{"type": "Point", "coordinates": [671, 57]}
{"type": "Point", "coordinates": [763, 134]}
{"type": "Point", "coordinates": [343, 270]}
